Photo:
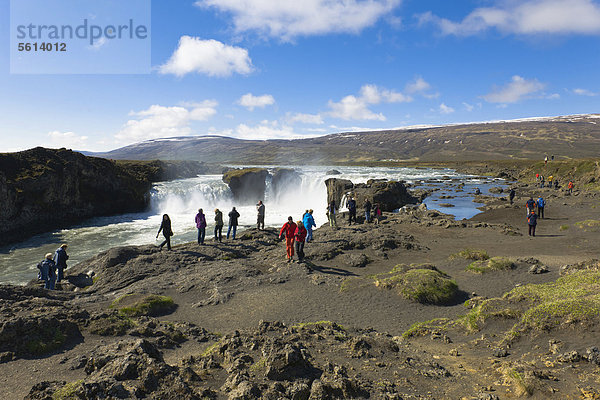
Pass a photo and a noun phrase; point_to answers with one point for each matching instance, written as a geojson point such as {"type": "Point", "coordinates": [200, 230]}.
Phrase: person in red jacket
{"type": "Point", "coordinates": [289, 228]}
{"type": "Point", "coordinates": [299, 237]}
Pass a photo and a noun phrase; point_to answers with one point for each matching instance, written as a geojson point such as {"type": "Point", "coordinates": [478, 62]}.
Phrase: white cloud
{"type": "Point", "coordinates": [289, 19]}
{"type": "Point", "coordinates": [159, 121]}
{"type": "Point", "coordinates": [444, 109]}
{"type": "Point", "coordinates": [357, 108]}
{"type": "Point", "coordinates": [517, 89]}
{"type": "Point", "coordinates": [468, 107]}
{"type": "Point", "coordinates": [251, 102]}
{"type": "Point", "coordinates": [419, 85]}
{"type": "Point", "coordinates": [265, 130]}
{"type": "Point", "coordinates": [584, 92]}
{"type": "Point", "coordinates": [209, 57]}
{"type": "Point", "coordinates": [304, 118]}
{"type": "Point", "coordinates": [526, 17]}
{"type": "Point", "coordinates": [67, 139]}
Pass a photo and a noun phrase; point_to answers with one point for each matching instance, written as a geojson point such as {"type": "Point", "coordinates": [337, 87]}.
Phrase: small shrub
{"type": "Point", "coordinates": [564, 227]}
{"type": "Point", "coordinates": [150, 305]}
{"type": "Point", "coordinates": [493, 264]}
{"type": "Point", "coordinates": [471, 254]}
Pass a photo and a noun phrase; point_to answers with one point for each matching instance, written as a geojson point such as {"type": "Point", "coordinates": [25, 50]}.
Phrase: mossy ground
{"type": "Point", "coordinates": [421, 283]}
{"type": "Point", "coordinates": [493, 264]}
{"type": "Point", "coordinates": [68, 391]}
{"type": "Point", "coordinates": [589, 225]}
{"type": "Point", "coordinates": [135, 305]}
{"type": "Point", "coordinates": [471, 254]}
{"type": "Point", "coordinates": [113, 325]}
{"type": "Point", "coordinates": [46, 341]}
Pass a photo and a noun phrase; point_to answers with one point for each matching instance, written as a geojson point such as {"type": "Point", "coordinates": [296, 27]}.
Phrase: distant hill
{"type": "Point", "coordinates": [576, 136]}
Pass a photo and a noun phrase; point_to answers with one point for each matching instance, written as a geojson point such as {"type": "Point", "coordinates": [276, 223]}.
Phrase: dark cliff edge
{"type": "Point", "coordinates": [45, 189]}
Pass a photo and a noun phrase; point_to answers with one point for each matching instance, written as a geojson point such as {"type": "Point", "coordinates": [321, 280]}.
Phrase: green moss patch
{"type": "Point", "coordinates": [471, 254]}
{"type": "Point", "coordinates": [135, 305]}
{"type": "Point", "coordinates": [113, 325]}
{"type": "Point", "coordinates": [422, 283]}
{"type": "Point", "coordinates": [68, 391]}
{"type": "Point", "coordinates": [493, 264]}
{"type": "Point", "coordinates": [589, 225]}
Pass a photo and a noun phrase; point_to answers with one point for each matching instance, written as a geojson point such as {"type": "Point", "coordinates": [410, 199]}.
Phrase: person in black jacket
{"type": "Point", "coordinates": [532, 222]}
{"type": "Point", "coordinates": [165, 227]}
{"type": "Point", "coordinates": [60, 258]}
{"type": "Point", "coordinates": [233, 222]}
{"type": "Point", "coordinates": [351, 204]}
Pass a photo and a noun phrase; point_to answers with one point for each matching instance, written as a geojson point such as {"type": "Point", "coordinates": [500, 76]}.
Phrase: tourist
{"type": "Point", "coordinates": [511, 195]}
{"type": "Point", "coordinates": [299, 237]}
{"type": "Point", "coordinates": [477, 192]}
{"type": "Point", "coordinates": [218, 225]}
{"type": "Point", "coordinates": [530, 206]}
{"type": "Point", "coordinates": [260, 219]}
{"type": "Point", "coordinates": [555, 184]}
{"type": "Point", "coordinates": [331, 211]}
{"type": "Point", "coordinates": [570, 187]}
{"type": "Point", "coordinates": [377, 213]}
{"type": "Point", "coordinates": [542, 180]}
{"type": "Point", "coordinates": [165, 227]}
{"type": "Point", "coordinates": [368, 207]}
{"type": "Point", "coordinates": [47, 273]}
{"type": "Point", "coordinates": [545, 160]}
{"type": "Point", "coordinates": [233, 222]}
{"type": "Point", "coordinates": [60, 259]}
{"type": "Point", "coordinates": [201, 225]}
{"type": "Point", "coordinates": [308, 221]}
{"type": "Point", "coordinates": [289, 229]}
{"type": "Point", "coordinates": [550, 181]}
{"type": "Point", "coordinates": [532, 222]}
{"type": "Point", "coordinates": [540, 205]}
{"type": "Point", "coordinates": [351, 205]}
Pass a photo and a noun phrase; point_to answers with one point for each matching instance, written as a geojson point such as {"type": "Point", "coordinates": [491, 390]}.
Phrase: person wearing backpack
{"type": "Point", "coordinates": [530, 206]}
{"type": "Point", "coordinates": [289, 230]}
{"type": "Point", "coordinates": [47, 269]}
{"type": "Point", "coordinates": [308, 221]}
{"type": "Point", "coordinates": [60, 259]}
{"type": "Point", "coordinates": [532, 222]}
{"type": "Point", "coordinates": [540, 205]}
{"type": "Point", "coordinates": [299, 237]}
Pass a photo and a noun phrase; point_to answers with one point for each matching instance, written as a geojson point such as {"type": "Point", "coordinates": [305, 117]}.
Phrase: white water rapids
{"type": "Point", "coordinates": [182, 198]}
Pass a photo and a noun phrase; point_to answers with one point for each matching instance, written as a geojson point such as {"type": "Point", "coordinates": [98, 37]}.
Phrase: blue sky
{"type": "Point", "coordinates": [260, 69]}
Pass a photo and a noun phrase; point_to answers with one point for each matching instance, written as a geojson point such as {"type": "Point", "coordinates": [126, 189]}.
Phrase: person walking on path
{"type": "Point", "coordinates": [542, 180]}
{"type": "Point", "coordinates": [289, 230]}
{"type": "Point", "coordinates": [308, 221]}
{"type": "Point", "coordinates": [60, 259]}
{"type": "Point", "coordinates": [233, 222]}
{"type": "Point", "coordinates": [47, 269]}
{"type": "Point", "coordinates": [511, 195]}
{"type": "Point", "coordinates": [351, 205]}
{"type": "Point", "coordinates": [541, 203]}
{"type": "Point", "coordinates": [570, 187]}
{"type": "Point", "coordinates": [376, 213]}
{"type": "Point", "coordinates": [165, 227]}
{"type": "Point", "coordinates": [299, 237]}
{"type": "Point", "coordinates": [368, 207]}
{"type": "Point", "coordinates": [545, 160]}
{"type": "Point", "coordinates": [260, 219]}
{"type": "Point", "coordinates": [550, 178]}
{"type": "Point", "coordinates": [555, 184]}
{"type": "Point", "coordinates": [532, 222]}
{"type": "Point", "coordinates": [331, 211]}
{"type": "Point", "coordinates": [201, 225]}
{"type": "Point", "coordinates": [530, 206]}
{"type": "Point", "coordinates": [218, 225]}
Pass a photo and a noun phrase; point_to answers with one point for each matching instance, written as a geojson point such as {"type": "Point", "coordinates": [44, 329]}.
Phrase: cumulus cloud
{"type": "Point", "coordinates": [357, 107]}
{"type": "Point", "coordinates": [419, 85]}
{"type": "Point", "coordinates": [208, 57]}
{"type": "Point", "coordinates": [160, 121]}
{"type": "Point", "coordinates": [468, 107]}
{"type": "Point", "coordinates": [517, 89]}
{"type": "Point", "coordinates": [444, 109]}
{"type": "Point", "coordinates": [67, 139]}
{"type": "Point", "coordinates": [584, 92]}
{"type": "Point", "coordinates": [315, 119]}
{"type": "Point", "coordinates": [265, 130]}
{"type": "Point", "coordinates": [289, 19]}
{"type": "Point", "coordinates": [251, 102]}
{"type": "Point", "coordinates": [526, 17]}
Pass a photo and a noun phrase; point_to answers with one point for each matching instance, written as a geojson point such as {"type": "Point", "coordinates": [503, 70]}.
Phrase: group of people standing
{"type": "Point", "coordinates": [531, 206]}
{"type": "Point", "coordinates": [52, 267]}
{"type": "Point", "coordinates": [552, 182]}
{"type": "Point", "coordinates": [296, 234]}
{"type": "Point", "coordinates": [370, 212]}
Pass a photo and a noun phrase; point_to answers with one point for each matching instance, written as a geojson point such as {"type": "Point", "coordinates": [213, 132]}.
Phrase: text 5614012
{"type": "Point", "coordinates": [43, 46]}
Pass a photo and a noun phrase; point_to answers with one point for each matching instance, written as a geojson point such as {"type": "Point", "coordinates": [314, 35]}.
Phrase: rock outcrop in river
{"type": "Point", "coordinates": [43, 189]}
{"type": "Point", "coordinates": [390, 195]}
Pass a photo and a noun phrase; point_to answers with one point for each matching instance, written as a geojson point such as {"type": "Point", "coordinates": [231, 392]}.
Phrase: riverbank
{"type": "Point", "coordinates": [349, 279]}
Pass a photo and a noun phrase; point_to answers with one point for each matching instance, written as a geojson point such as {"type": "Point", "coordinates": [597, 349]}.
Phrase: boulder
{"type": "Point", "coordinates": [390, 195]}
{"type": "Point", "coordinates": [337, 188]}
{"type": "Point", "coordinates": [247, 184]}
{"type": "Point", "coordinates": [333, 172]}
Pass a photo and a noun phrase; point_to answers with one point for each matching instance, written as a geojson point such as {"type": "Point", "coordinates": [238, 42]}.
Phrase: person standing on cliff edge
{"type": "Point", "coordinates": [233, 222]}
{"type": "Point", "coordinates": [165, 227]}
{"type": "Point", "coordinates": [260, 219]}
{"type": "Point", "coordinates": [218, 225]}
{"type": "Point", "coordinates": [60, 258]}
{"type": "Point", "coordinates": [201, 225]}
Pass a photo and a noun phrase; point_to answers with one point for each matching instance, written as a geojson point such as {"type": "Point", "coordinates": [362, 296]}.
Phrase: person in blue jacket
{"type": "Point", "coordinates": [309, 222]}
{"type": "Point", "coordinates": [540, 206]}
{"type": "Point", "coordinates": [60, 259]}
{"type": "Point", "coordinates": [47, 269]}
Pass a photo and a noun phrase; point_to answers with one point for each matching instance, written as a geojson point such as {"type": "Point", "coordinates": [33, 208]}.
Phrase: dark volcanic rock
{"type": "Point", "coordinates": [285, 178]}
{"type": "Point", "coordinates": [248, 184]}
{"type": "Point", "coordinates": [333, 172]}
{"type": "Point", "coordinates": [390, 195]}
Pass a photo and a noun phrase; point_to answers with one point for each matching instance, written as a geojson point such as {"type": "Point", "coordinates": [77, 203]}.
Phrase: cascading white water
{"type": "Point", "coordinates": [181, 199]}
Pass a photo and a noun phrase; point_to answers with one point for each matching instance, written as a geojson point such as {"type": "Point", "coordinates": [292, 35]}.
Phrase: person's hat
{"type": "Point", "coordinates": [64, 245]}
{"type": "Point", "coordinates": [49, 256]}
{"type": "Point", "coordinates": [290, 218]}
